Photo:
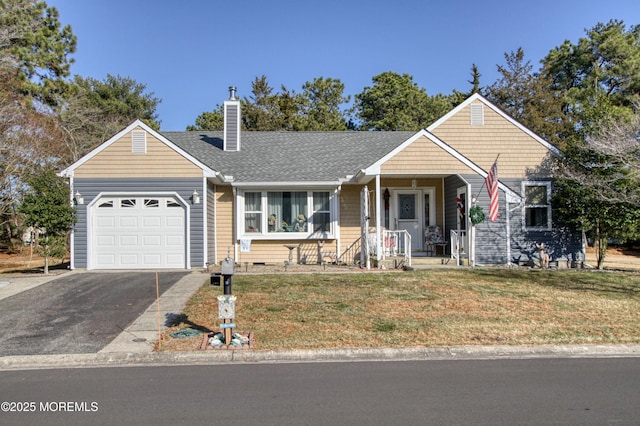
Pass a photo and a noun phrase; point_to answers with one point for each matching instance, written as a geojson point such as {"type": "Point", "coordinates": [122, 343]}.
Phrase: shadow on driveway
{"type": "Point", "coordinates": [79, 313]}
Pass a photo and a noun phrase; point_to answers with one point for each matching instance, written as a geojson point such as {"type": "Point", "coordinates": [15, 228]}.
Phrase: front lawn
{"type": "Point", "coordinates": [423, 308]}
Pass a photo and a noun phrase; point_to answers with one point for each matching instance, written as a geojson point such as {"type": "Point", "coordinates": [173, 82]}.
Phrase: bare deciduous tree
{"type": "Point", "coordinates": [609, 163]}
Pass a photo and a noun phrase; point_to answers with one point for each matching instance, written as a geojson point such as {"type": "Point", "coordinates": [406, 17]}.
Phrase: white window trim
{"type": "Point", "coordinates": [549, 226]}
{"type": "Point", "coordinates": [266, 235]}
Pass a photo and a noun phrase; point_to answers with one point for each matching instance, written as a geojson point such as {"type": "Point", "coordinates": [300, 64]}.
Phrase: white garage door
{"type": "Point", "coordinates": [140, 232]}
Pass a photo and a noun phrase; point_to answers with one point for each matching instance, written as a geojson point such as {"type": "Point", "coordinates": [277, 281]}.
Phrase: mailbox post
{"type": "Point", "coordinates": [226, 302]}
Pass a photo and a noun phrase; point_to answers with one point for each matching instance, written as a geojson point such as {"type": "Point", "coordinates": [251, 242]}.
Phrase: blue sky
{"type": "Point", "coordinates": [189, 52]}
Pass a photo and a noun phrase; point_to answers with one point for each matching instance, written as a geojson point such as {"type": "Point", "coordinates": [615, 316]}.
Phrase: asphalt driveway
{"type": "Point", "coordinates": [78, 313]}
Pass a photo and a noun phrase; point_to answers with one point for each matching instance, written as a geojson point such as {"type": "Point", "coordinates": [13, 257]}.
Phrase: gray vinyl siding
{"type": "Point", "coordinates": [90, 188]}
{"type": "Point", "coordinates": [561, 243]}
{"type": "Point", "coordinates": [491, 237]}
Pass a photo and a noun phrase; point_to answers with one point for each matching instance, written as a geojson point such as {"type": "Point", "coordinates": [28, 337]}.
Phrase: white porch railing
{"type": "Point", "coordinates": [459, 245]}
{"type": "Point", "coordinates": [396, 244]}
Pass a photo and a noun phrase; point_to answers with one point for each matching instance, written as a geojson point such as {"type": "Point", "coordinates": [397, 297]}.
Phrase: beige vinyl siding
{"type": "Point", "coordinates": [275, 252]}
{"type": "Point", "coordinates": [117, 161]}
{"type": "Point", "coordinates": [224, 222]}
{"type": "Point", "coordinates": [350, 215]}
{"type": "Point", "coordinates": [520, 154]}
{"type": "Point", "coordinates": [424, 157]}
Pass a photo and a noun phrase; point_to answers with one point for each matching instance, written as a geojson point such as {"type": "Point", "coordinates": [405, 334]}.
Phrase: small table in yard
{"type": "Point", "coordinates": [291, 247]}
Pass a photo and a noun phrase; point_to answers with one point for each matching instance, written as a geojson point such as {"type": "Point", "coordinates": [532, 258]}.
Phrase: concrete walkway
{"type": "Point", "coordinates": [140, 336]}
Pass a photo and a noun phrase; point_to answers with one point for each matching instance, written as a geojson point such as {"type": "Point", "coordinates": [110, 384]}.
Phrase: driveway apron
{"type": "Point", "coordinates": [80, 313]}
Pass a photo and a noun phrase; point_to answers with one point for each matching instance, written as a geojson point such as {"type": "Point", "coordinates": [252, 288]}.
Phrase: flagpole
{"type": "Point", "coordinates": [484, 181]}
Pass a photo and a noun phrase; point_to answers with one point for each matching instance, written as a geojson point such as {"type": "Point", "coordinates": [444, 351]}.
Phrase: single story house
{"type": "Point", "coordinates": [151, 200]}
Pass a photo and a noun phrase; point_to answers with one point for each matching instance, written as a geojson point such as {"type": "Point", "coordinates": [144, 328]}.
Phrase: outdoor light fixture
{"type": "Point", "coordinates": [79, 198]}
{"type": "Point", "coordinates": [195, 197]}
{"type": "Point", "coordinates": [414, 183]}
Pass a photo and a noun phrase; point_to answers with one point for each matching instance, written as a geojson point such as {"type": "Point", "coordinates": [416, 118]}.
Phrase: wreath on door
{"type": "Point", "coordinates": [476, 215]}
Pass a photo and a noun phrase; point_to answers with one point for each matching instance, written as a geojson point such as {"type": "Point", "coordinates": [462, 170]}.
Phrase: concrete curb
{"type": "Point", "coordinates": [138, 359]}
{"type": "Point", "coordinates": [133, 347]}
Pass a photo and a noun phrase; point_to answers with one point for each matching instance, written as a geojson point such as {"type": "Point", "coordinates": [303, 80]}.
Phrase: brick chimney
{"type": "Point", "coordinates": [232, 122]}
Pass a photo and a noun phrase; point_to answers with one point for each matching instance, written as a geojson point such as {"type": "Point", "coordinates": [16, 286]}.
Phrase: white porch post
{"type": "Point", "coordinates": [364, 225]}
{"type": "Point", "coordinates": [378, 206]}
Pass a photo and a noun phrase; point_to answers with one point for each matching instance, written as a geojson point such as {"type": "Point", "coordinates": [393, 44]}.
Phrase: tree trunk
{"type": "Point", "coordinates": [601, 246]}
{"type": "Point", "coordinates": [46, 260]}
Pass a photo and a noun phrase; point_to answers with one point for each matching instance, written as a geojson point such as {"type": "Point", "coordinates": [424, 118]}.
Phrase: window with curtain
{"type": "Point", "coordinates": [537, 205]}
{"type": "Point", "coordinates": [321, 212]}
{"type": "Point", "coordinates": [287, 211]}
{"type": "Point", "coordinates": [252, 211]}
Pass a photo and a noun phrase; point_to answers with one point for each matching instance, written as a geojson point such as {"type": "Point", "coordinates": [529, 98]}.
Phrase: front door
{"type": "Point", "coordinates": [409, 216]}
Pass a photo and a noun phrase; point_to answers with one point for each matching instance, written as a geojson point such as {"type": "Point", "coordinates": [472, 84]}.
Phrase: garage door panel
{"type": "Point", "coordinates": [128, 259]}
{"type": "Point", "coordinates": [151, 221]}
{"type": "Point", "coordinates": [152, 259]}
{"type": "Point", "coordinates": [174, 260]}
{"type": "Point", "coordinates": [128, 222]}
{"type": "Point", "coordinates": [106, 259]}
{"type": "Point", "coordinates": [174, 241]}
{"type": "Point", "coordinates": [132, 235]}
{"type": "Point", "coordinates": [174, 222]}
{"type": "Point", "coordinates": [106, 222]}
{"type": "Point", "coordinates": [128, 240]}
{"type": "Point", "coordinates": [152, 240]}
{"type": "Point", "coordinates": [106, 241]}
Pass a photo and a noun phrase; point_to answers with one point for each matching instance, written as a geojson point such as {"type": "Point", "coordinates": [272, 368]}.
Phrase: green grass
{"type": "Point", "coordinates": [426, 308]}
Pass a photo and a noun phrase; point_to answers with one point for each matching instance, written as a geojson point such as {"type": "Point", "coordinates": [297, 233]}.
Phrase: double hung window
{"type": "Point", "coordinates": [252, 212]}
{"type": "Point", "coordinates": [537, 205]}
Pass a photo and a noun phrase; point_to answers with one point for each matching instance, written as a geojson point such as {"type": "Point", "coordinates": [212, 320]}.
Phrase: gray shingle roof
{"type": "Point", "coordinates": [290, 156]}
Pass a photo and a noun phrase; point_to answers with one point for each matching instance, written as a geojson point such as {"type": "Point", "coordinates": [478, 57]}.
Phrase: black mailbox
{"type": "Point", "coordinates": [216, 279]}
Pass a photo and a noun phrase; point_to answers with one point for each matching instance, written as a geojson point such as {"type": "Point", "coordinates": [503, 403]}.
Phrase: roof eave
{"type": "Point", "coordinates": [298, 184]}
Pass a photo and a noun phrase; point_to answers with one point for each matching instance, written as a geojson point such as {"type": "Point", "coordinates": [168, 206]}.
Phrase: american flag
{"type": "Point", "coordinates": [492, 188]}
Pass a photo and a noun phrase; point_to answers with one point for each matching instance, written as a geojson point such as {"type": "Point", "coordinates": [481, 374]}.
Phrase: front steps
{"type": "Point", "coordinates": [422, 262]}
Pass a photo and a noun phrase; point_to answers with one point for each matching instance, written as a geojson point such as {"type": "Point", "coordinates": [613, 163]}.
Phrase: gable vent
{"type": "Point", "coordinates": [477, 115]}
{"type": "Point", "coordinates": [138, 142]}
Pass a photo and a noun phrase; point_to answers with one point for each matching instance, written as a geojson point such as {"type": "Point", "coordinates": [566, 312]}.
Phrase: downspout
{"type": "Point", "coordinates": [205, 229]}
{"type": "Point", "coordinates": [509, 198]}
{"type": "Point", "coordinates": [336, 208]}
{"type": "Point", "coordinates": [235, 224]}
{"type": "Point", "coordinates": [215, 224]}
{"type": "Point", "coordinates": [508, 230]}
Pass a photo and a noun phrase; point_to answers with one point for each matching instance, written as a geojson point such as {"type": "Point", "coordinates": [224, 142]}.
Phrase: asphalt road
{"type": "Point", "coordinates": [79, 313]}
{"type": "Point", "coordinates": [490, 392]}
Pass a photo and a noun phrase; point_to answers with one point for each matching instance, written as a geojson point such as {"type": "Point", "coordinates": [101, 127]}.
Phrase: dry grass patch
{"type": "Point", "coordinates": [425, 308]}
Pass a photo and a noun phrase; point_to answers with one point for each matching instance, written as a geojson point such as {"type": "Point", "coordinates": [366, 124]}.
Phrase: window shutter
{"type": "Point", "coordinates": [138, 142]}
{"type": "Point", "coordinates": [477, 115]}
